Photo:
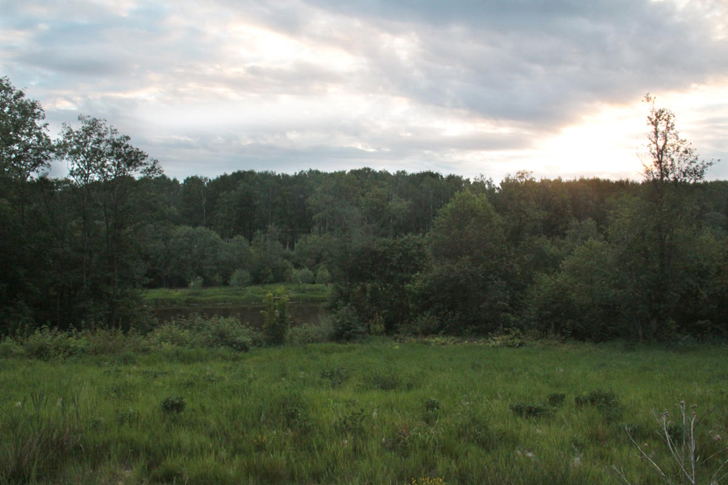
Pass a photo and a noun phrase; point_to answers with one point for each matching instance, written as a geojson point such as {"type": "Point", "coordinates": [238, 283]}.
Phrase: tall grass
{"type": "Point", "coordinates": [380, 412]}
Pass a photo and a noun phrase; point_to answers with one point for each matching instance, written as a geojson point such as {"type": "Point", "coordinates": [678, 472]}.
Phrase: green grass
{"type": "Point", "coordinates": [380, 413]}
{"type": "Point", "coordinates": [226, 295]}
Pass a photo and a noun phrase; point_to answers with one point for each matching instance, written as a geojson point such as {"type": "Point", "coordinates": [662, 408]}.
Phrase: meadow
{"type": "Point", "coordinates": [433, 411]}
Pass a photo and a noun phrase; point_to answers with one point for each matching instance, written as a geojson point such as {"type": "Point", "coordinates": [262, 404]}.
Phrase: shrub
{"type": "Point", "coordinates": [336, 376]}
{"type": "Point", "coordinates": [382, 381]}
{"type": "Point", "coordinates": [526, 410]}
{"type": "Point", "coordinates": [50, 343]}
{"type": "Point", "coordinates": [241, 278]}
{"type": "Point", "coordinates": [198, 332]}
{"type": "Point", "coordinates": [322, 275]}
{"type": "Point", "coordinates": [422, 325]}
{"type": "Point", "coordinates": [606, 402]}
{"type": "Point", "coordinates": [10, 348]}
{"type": "Point", "coordinates": [303, 276]}
{"type": "Point", "coordinates": [556, 399]}
{"type": "Point", "coordinates": [347, 325]}
{"type": "Point", "coordinates": [229, 333]}
{"type": "Point", "coordinates": [173, 405]}
{"type": "Point", "coordinates": [275, 317]}
{"type": "Point", "coordinates": [196, 283]}
{"type": "Point", "coordinates": [112, 342]}
{"type": "Point", "coordinates": [310, 333]}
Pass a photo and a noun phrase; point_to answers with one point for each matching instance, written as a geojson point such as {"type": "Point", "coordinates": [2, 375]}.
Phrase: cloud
{"type": "Point", "coordinates": [293, 84]}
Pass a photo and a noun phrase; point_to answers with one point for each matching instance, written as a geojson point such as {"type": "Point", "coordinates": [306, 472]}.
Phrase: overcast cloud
{"type": "Point", "coordinates": [458, 87]}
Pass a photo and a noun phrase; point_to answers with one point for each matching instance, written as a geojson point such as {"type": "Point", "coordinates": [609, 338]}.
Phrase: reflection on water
{"type": "Point", "coordinates": [300, 313]}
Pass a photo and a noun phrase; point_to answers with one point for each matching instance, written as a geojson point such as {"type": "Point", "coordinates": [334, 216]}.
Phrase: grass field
{"type": "Point", "coordinates": [382, 412]}
{"type": "Point", "coordinates": [227, 295]}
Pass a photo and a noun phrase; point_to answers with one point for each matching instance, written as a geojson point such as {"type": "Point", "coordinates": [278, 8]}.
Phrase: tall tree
{"type": "Point", "coordinates": [25, 148]}
{"type": "Point", "coordinates": [672, 163]}
{"type": "Point", "coordinates": [103, 165]}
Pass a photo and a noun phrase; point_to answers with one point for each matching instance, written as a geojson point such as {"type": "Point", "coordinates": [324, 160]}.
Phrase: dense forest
{"type": "Point", "coordinates": [417, 253]}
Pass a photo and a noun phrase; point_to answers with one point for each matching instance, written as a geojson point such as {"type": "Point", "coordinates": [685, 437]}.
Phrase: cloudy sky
{"type": "Point", "coordinates": [459, 86]}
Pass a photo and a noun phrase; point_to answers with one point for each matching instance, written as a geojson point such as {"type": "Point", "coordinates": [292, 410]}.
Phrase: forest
{"type": "Point", "coordinates": [410, 253]}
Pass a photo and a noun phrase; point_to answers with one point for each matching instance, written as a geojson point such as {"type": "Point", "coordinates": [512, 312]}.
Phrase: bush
{"type": "Point", "coordinates": [303, 276]}
{"type": "Point", "coordinates": [310, 333]}
{"type": "Point", "coordinates": [606, 402]}
{"type": "Point", "coordinates": [348, 326]}
{"type": "Point", "coordinates": [196, 283]}
{"type": "Point", "coordinates": [323, 276]}
{"type": "Point", "coordinates": [241, 278]}
{"type": "Point", "coordinates": [10, 348]}
{"type": "Point", "coordinates": [526, 410]}
{"type": "Point", "coordinates": [112, 342]}
{"type": "Point", "coordinates": [50, 343]}
{"type": "Point", "coordinates": [276, 318]}
{"type": "Point", "coordinates": [423, 325]}
{"type": "Point", "coordinates": [173, 405]}
{"type": "Point", "coordinates": [199, 332]}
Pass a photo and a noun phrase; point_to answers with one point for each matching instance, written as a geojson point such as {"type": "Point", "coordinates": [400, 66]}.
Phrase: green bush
{"type": "Point", "coordinates": [241, 279]}
{"type": "Point", "coordinates": [310, 333]}
{"type": "Point", "coordinates": [196, 283]}
{"type": "Point", "coordinates": [606, 402]}
{"type": "Point", "coordinates": [347, 325]}
{"type": "Point", "coordinates": [10, 348]}
{"type": "Point", "coordinates": [336, 376]}
{"type": "Point", "coordinates": [50, 343]}
{"type": "Point", "coordinates": [303, 276]}
{"type": "Point", "coordinates": [275, 317]}
{"type": "Point", "coordinates": [322, 275]}
{"type": "Point", "coordinates": [112, 342]}
{"type": "Point", "coordinates": [173, 405]}
{"type": "Point", "coordinates": [526, 410]}
{"type": "Point", "coordinates": [199, 332]}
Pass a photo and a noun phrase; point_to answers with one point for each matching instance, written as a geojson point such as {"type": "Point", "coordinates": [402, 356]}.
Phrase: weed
{"type": "Point", "coordinates": [351, 424]}
{"type": "Point", "coordinates": [276, 318]}
{"type": "Point", "coordinates": [681, 439]}
{"type": "Point", "coordinates": [526, 410]}
{"type": "Point", "coordinates": [432, 411]}
{"type": "Point", "coordinates": [556, 400]}
{"type": "Point", "coordinates": [336, 376]}
{"type": "Point", "coordinates": [428, 481]}
{"type": "Point", "coordinates": [37, 438]}
{"type": "Point", "coordinates": [381, 381]}
{"type": "Point", "coordinates": [310, 333]}
{"type": "Point", "coordinates": [128, 417]}
{"type": "Point", "coordinates": [173, 405]}
{"type": "Point", "coordinates": [606, 402]}
{"type": "Point", "coordinates": [432, 405]}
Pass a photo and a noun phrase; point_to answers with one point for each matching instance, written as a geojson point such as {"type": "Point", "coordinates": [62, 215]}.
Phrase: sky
{"type": "Point", "coordinates": [467, 87]}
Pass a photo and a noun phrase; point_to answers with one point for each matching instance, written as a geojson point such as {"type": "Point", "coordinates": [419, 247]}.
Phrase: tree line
{"type": "Point", "coordinates": [417, 253]}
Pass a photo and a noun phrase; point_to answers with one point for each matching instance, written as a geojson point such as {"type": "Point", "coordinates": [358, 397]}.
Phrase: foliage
{"type": "Point", "coordinates": [197, 332]}
{"type": "Point", "coordinates": [25, 148]}
{"type": "Point", "coordinates": [276, 317]}
{"type": "Point", "coordinates": [196, 284]}
{"type": "Point", "coordinates": [303, 276]}
{"type": "Point", "coordinates": [348, 326]}
{"type": "Point", "coordinates": [311, 333]}
{"type": "Point", "coordinates": [323, 275]}
{"type": "Point", "coordinates": [240, 279]}
{"type": "Point", "coordinates": [173, 405]}
{"type": "Point", "coordinates": [466, 285]}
